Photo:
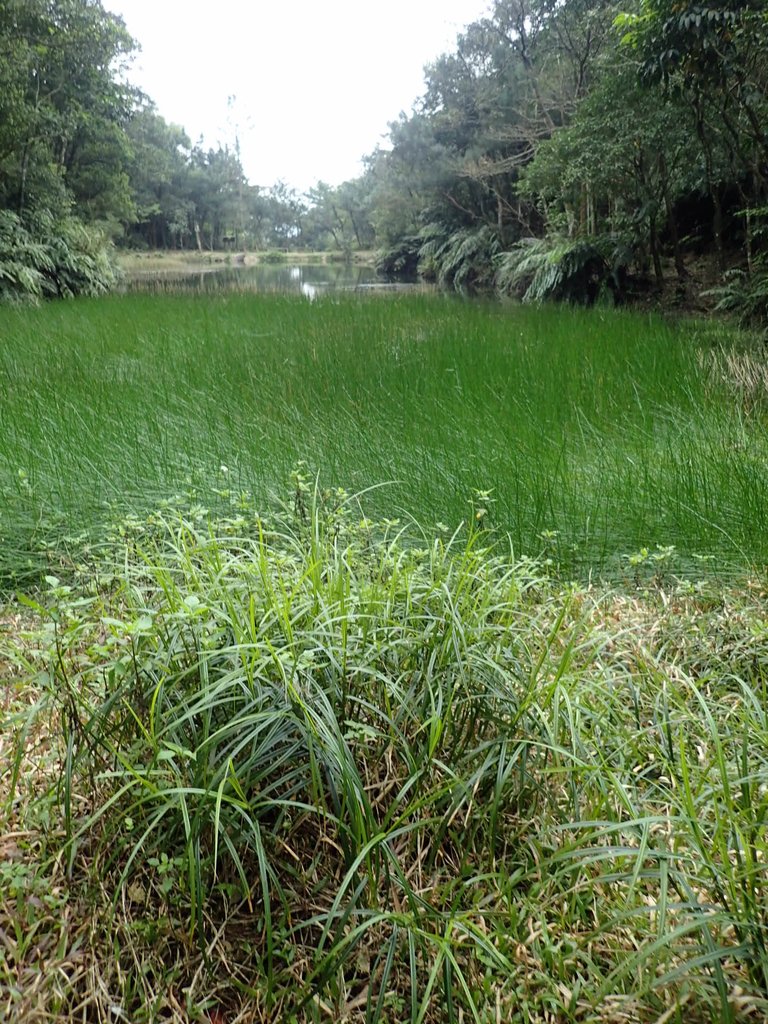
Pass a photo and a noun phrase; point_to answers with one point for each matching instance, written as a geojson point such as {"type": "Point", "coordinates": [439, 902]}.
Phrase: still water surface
{"type": "Point", "coordinates": [310, 280]}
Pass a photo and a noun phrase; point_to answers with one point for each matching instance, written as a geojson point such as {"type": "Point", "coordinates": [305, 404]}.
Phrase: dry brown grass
{"type": "Point", "coordinates": [743, 373]}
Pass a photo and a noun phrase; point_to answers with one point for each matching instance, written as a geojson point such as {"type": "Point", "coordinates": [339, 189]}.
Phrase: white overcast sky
{"type": "Point", "coordinates": [316, 81]}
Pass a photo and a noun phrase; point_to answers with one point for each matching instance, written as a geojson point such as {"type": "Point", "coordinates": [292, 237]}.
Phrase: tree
{"type": "Point", "coordinates": [619, 138]}
{"type": "Point", "coordinates": [157, 167]}
{"type": "Point", "coordinates": [618, 168]}
{"type": "Point", "coordinates": [339, 217]}
{"type": "Point", "coordinates": [713, 56]}
{"type": "Point", "coordinates": [62, 144]}
{"type": "Point", "coordinates": [59, 98]}
{"type": "Point", "coordinates": [451, 182]}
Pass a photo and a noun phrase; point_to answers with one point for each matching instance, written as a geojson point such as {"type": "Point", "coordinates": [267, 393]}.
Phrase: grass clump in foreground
{"type": "Point", "coordinates": [316, 768]}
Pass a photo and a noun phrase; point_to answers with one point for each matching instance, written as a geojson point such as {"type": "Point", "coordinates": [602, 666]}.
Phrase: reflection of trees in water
{"type": "Point", "coordinates": [308, 280]}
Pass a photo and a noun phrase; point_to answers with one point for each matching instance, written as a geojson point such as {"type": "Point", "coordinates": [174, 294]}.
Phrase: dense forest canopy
{"type": "Point", "coordinates": [565, 148]}
{"type": "Point", "coordinates": [569, 143]}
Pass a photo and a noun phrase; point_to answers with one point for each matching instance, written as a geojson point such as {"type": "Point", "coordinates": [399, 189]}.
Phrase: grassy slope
{"type": "Point", "coordinates": [610, 432]}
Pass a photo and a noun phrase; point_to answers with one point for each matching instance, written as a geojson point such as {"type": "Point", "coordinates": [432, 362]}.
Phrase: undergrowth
{"type": "Point", "coordinates": [306, 766]}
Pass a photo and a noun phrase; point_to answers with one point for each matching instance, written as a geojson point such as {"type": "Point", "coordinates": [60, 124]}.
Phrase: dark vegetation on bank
{"type": "Point", "coordinates": [572, 151]}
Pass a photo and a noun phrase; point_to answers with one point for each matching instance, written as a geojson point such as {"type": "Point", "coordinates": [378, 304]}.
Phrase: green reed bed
{"type": "Point", "coordinates": [604, 432]}
{"type": "Point", "coordinates": [306, 767]}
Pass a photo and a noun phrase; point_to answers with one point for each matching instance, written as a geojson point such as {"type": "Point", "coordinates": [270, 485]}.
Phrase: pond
{"type": "Point", "coordinates": [308, 279]}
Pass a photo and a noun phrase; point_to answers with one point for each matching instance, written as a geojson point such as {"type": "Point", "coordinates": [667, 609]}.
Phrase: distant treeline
{"type": "Point", "coordinates": [86, 159]}
{"type": "Point", "coordinates": [566, 149]}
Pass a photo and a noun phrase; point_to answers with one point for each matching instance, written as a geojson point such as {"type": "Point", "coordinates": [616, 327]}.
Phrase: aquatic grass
{"type": "Point", "coordinates": [349, 769]}
{"type": "Point", "coordinates": [606, 429]}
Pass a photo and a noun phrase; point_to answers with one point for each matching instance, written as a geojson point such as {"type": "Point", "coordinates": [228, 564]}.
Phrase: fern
{"type": "Point", "coordinates": [44, 258]}
{"type": "Point", "coordinates": [745, 295]}
{"type": "Point", "coordinates": [400, 259]}
{"type": "Point", "coordinates": [536, 269]}
{"type": "Point", "coordinates": [462, 259]}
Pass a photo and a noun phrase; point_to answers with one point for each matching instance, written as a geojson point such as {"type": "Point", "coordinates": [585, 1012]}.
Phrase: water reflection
{"type": "Point", "coordinates": [310, 280]}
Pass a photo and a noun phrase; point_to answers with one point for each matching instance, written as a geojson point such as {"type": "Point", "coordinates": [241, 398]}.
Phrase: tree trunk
{"type": "Point", "coordinates": [717, 219]}
{"type": "Point", "coordinates": [717, 228]}
{"type": "Point", "coordinates": [653, 241]}
{"type": "Point", "coordinates": [674, 234]}
{"type": "Point", "coordinates": [23, 184]}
